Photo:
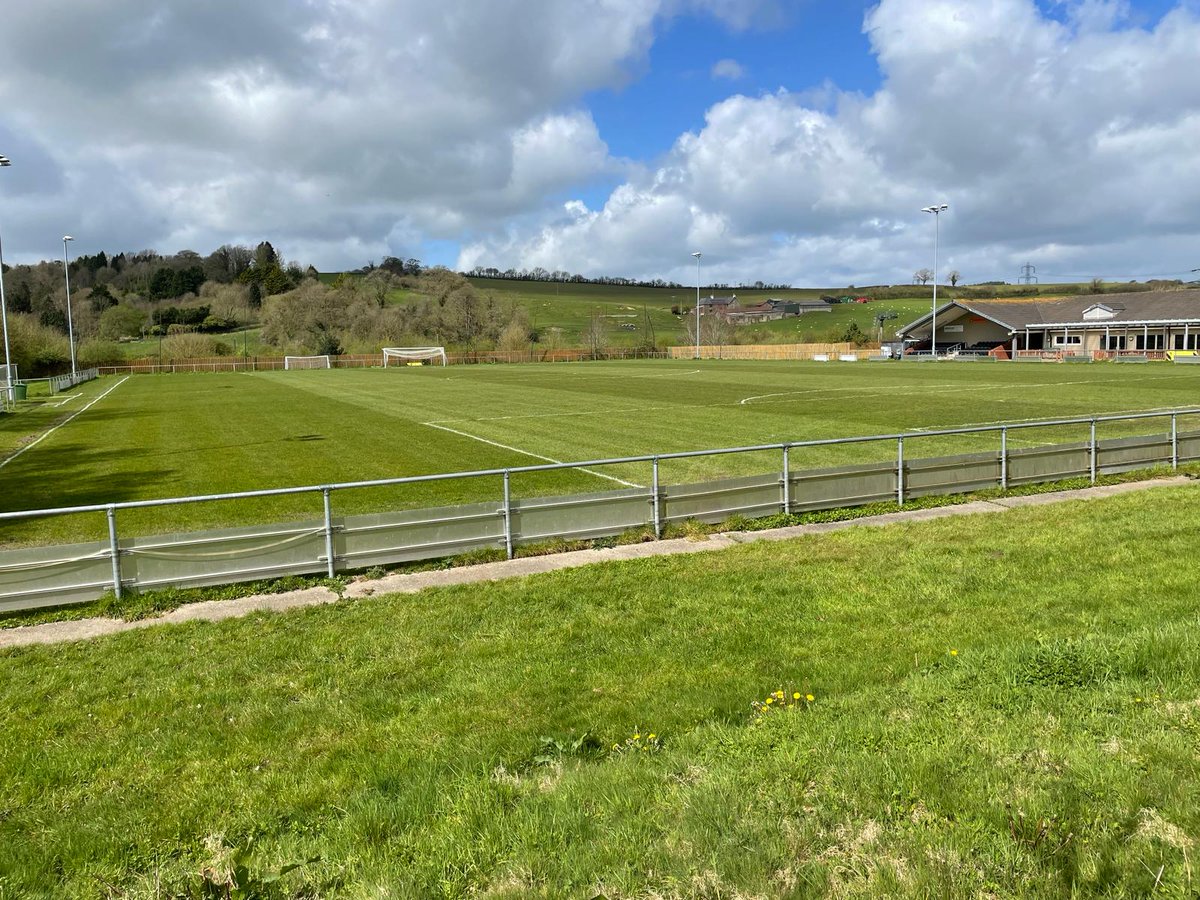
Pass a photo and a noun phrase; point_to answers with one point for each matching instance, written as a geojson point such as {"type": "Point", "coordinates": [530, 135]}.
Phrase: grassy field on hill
{"type": "Point", "coordinates": [1000, 706]}
{"type": "Point", "coordinates": [571, 307]}
{"type": "Point", "coordinates": [177, 435]}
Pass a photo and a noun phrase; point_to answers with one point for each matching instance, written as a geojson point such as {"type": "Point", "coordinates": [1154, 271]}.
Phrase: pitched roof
{"type": "Point", "coordinates": [1127, 309]}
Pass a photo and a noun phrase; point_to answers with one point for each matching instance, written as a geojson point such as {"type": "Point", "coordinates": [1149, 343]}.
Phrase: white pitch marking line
{"type": "Point", "coordinates": [476, 437]}
{"type": "Point", "coordinates": [65, 421]}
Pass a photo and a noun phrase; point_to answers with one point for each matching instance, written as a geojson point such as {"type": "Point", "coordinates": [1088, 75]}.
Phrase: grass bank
{"type": "Point", "coordinates": [1002, 707]}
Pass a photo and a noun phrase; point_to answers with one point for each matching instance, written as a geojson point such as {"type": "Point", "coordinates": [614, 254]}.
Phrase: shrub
{"type": "Point", "coordinates": [191, 346]}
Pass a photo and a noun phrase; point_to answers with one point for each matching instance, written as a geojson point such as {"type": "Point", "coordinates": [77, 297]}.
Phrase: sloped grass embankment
{"type": "Point", "coordinates": [1002, 707]}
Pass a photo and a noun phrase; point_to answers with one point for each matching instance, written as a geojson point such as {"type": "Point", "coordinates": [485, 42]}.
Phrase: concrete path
{"type": "Point", "coordinates": [217, 610]}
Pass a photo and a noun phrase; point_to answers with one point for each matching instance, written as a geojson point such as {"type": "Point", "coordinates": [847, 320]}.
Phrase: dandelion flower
{"type": "Point", "coordinates": [650, 737]}
{"type": "Point", "coordinates": [770, 700]}
{"type": "Point", "coordinates": [796, 696]}
{"type": "Point", "coordinates": [637, 737]}
{"type": "Point", "coordinates": [809, 697]}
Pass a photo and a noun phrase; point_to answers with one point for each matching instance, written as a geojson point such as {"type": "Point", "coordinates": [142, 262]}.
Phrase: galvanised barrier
{"type": "Point", "coordinates": [61, 383]}
{"type": "Point", "coordinates": [36, 577]}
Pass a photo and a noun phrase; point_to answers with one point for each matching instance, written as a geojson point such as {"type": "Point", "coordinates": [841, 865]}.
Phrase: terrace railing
{"type": "Point", "coordinates": [43, 576]}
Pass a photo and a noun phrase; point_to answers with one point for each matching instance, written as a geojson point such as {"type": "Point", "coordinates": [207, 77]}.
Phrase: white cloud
{"type": "Point", "coordinates": [729, 69]}
{"type": "Point", "coordinates": [306, 122]}
{"type": "Point", "coordinates": [1070, 144]}
{"type": "Point", "coordinates": [347, 130]}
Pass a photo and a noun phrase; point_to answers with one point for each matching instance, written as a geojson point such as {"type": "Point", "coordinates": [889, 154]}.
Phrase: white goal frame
{"type": "Point", "coordinates": [414, 354]}
{"type": "Point", "coordinates": [307, 362]}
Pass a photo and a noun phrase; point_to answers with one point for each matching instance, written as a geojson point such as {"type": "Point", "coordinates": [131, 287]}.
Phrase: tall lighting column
{"type": "Point", "coordinates": [70, 322]}
{"type": "Point", "coordinates": [937, 216]}
{"type": "Point", "coordinates": [4, 163]}
{"type": "Point", "coordinates": [697, 254]}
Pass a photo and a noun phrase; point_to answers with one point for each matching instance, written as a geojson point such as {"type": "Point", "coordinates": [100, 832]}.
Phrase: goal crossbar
{"type": "Point", "coordinates": [403, 355]}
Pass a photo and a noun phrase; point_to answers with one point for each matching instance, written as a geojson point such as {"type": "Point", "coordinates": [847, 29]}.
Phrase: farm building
{"type": "Point", "coordinates": [717, 305]}
{"type": "Point", "coordinates": [1152, 322]}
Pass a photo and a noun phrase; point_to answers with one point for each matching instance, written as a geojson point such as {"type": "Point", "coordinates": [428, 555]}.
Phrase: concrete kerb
{"type": "Point", "coordinates": [219, 610]}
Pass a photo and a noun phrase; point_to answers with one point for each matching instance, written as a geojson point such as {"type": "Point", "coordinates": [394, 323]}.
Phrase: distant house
{"type": "Point", "coordinates": [718, 305]}
{"type": "Point", "coordinates": [763, 312]}
{"type": "Point", "coordinates": [1152, 322]}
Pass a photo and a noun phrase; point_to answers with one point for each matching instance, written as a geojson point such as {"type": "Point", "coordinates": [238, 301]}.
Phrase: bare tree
{"type": "Point", "coordinates": [595, 336]}
{"type": "Point", "coordinates": [952, 277]}
{"type": "Point", "coordinates": [922, 276]}
{"type": "Point", "coordinates": [379, 284]}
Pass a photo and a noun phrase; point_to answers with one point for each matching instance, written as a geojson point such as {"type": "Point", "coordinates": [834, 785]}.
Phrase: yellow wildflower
{"type": "Point", "coordinates": [954, 653]}
{"type": "Point", "coordinates": [796, 696]}
{"type": "Point", "coordinates": [809, 697]}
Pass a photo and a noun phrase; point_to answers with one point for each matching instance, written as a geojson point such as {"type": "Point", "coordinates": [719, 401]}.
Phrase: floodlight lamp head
{"type": "Point", "coordinates": [697, 254]}
{"type": "Point", "coordinates": [5, 161]}
{"type": "Point", "coordinates": [67, 237]}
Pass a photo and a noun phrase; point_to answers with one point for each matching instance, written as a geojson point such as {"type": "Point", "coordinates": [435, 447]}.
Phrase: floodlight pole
{"type": "Point", "coordinates": [697, 254]}
{"type": "Point", "coordinates": [937, 216]}
{"type": "Point", "coordinates": [70, 320]}
{"type": "Point", "coordinates": [4, 163]}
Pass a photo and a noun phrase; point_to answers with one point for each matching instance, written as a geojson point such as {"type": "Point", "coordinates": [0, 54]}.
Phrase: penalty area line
{"type": "Point", "coordinates": [65, 421]}
{"type": "Point", "coordinates": [483, 440]}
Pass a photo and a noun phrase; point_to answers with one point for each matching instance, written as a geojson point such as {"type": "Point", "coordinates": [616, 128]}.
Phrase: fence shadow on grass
{"type": "Point", "coordinates": [72, 475]}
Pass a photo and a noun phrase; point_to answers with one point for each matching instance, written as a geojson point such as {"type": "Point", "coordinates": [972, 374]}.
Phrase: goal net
{"type": "Point", "coordinates": [413, 356]}
{"type": "Point", "coordinates": [306, 362]}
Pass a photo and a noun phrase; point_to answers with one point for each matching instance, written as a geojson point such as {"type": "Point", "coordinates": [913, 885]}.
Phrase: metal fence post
{"type": "Point", "coordinates": [1004, 459]}
{"type": "Point", "coordinates": [787, 480]}
{"type": "Point", "coordinates": [328, 532]}
{"type": "Point", "coordinates": [114, 550]}
{"type": "Point", "coordinates": [900, 471]}
{"type": "Point", "coordinates": [1174, 442]}
{"type": "Point", "coordinates": [654, 500]}
{"type": "Point", "coordinates": [508, 530]}
{"type": "Point", "coordinates": [1092, 453]}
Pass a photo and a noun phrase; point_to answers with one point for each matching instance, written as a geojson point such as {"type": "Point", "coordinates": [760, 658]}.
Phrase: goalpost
{"type": "Point", "coordinates": [306, 362]}
{"type": "Point", "coordinates": [413, 356]}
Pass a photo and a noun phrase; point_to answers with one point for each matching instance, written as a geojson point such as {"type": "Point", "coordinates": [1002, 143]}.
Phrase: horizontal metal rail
{"type": "Point", "coordinates": [608, 461]}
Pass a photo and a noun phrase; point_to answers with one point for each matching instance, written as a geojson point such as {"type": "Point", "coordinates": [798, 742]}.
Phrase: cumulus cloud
{"type": "Point", "coordinates": [322, 123]}
{"type": "Point", "coordinates": [346, 131]}
{"type": "Point", "coordinates": [1068, 142]}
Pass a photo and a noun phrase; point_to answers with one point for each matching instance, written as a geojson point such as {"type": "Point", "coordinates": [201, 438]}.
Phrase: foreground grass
{"type": "Point", "coordinates": [1001, 707]}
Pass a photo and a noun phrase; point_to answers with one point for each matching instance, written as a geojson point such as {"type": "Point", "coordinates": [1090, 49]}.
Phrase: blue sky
{"type": "Point", "coordinates": [819, 42]}
{"type": "Point", "coordinates": [598, 138]}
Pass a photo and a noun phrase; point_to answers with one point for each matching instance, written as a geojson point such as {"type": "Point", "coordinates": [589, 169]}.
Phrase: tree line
{"type": "Point", "coordinates": [562, 277]}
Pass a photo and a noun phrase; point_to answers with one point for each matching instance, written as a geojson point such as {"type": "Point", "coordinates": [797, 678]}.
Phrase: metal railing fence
{"type": "Point", "coordinates": [44, 576]}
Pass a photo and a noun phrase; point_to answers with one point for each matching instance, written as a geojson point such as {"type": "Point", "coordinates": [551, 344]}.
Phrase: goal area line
{"type": "Point", "coordinates": [548, 459]}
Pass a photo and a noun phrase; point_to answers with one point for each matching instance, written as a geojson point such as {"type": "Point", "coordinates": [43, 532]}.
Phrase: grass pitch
{"type": "Point", "coordinates": [1002, 707]}
{"type": "Point", "coordinates": [149, 437]}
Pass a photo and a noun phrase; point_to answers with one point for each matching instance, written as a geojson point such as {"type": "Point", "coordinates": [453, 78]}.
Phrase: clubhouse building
{"type": "Point", "coordinates": [1150, 323]}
